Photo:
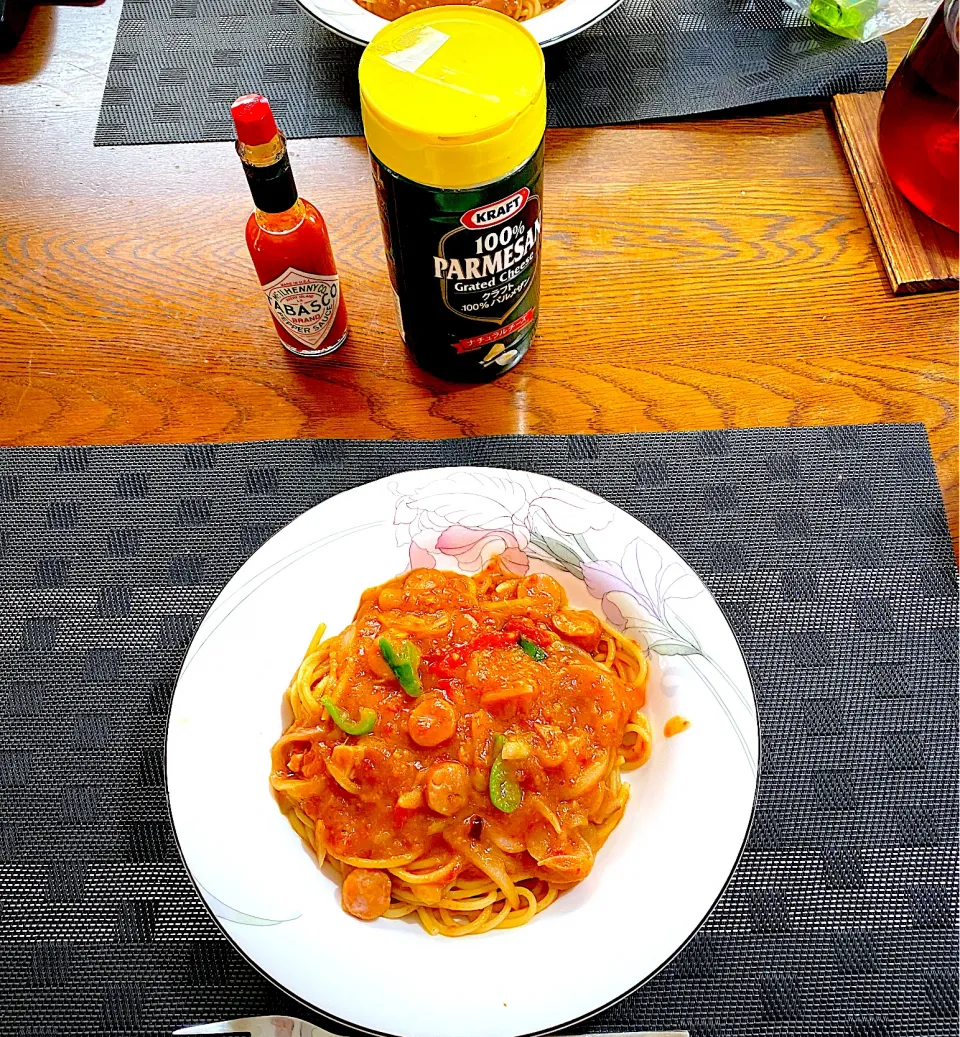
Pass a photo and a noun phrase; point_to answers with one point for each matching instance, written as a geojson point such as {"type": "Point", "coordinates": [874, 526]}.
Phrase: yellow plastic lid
{"type": "Point", "coordinates": [453, 97]}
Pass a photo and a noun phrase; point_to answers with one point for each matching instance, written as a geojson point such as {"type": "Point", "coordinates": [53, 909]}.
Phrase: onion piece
{"type": "Point", "coordinates": [488, 860]}
{"type": "Point", "coordinates": [342, 780]}
{"type": "Point", "coordinates": [546, 812]}
{"type": "Point", "coordinates": [588, 778]}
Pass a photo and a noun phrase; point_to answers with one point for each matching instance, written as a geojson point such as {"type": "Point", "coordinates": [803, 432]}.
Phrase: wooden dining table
{"type": "Point", "coordinates": [699, 273]}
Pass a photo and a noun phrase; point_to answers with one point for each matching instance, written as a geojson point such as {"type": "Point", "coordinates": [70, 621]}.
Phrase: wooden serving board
{"type": "Point", "coordinates": [919, 255]}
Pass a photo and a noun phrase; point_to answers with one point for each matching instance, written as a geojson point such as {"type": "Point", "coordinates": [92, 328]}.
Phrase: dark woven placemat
{"type": "Point", "coordinates": [178, 64]}
{"type": "Point", "coordinates": [829, 553]}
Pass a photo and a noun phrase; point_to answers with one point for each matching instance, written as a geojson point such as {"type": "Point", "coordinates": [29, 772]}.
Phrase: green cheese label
{"type": "Point", "coordinates": [465, 269]}
{"type": "Point", "coordinates": [485, 271]}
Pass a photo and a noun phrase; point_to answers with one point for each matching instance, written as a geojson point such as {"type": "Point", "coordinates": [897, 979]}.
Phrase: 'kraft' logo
{"type": "Point", "coordinates": [490, 215]}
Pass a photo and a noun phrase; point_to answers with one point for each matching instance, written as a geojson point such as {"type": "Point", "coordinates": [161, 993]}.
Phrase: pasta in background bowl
{"type": "Point", "coordinates": [660, 870]}
{"type": "Point", "coordinates": [549, 21]}
{"type": "Point", "coordinates": [521, 10]}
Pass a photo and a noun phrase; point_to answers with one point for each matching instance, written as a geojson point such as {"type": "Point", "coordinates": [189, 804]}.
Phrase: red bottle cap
{"type": "Point", "coordinates": [253, 119]}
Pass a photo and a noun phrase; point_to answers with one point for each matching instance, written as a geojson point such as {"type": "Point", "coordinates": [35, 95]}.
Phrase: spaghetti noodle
{"type": "Point", "coordinates": [456, 752]}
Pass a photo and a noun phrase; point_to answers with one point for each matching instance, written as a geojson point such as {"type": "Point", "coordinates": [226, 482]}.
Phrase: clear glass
{"type": "Point", "coordinates": [919, 126]}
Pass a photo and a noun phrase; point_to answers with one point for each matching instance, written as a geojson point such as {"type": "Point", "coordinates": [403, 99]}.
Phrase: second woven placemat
{"type": "Point", "coordinates": [178, 64]}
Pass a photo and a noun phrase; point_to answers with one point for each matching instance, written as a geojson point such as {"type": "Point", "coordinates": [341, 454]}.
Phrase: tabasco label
{"type": "Point", "coordinates": [305, 305]}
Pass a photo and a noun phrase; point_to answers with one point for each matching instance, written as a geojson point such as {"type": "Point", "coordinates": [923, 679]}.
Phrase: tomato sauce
{"type": "Point", "coordinates": [512, 678]}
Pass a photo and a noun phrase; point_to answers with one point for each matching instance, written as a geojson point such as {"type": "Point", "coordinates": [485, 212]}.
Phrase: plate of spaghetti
{"type": "Point", "coordinates": [458, 737]}
{"type": "Point", "coordinates": [549, 21]}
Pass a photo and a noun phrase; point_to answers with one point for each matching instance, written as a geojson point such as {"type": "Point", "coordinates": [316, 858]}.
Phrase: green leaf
{"type": "Point", "coordinates": [562, 552]}
{"type": "Point", "coordinates": [673, 648]}
{"type": "Point", "coordinates": [556, 563]}
{"type": "Point", "coordinates": [584, 546]}
{"type": "Point", "coordinates": [677, 625]}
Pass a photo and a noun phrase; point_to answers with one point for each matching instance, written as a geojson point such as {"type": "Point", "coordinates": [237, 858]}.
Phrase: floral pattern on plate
{"type": "Point", "coordinates": [468, 516]}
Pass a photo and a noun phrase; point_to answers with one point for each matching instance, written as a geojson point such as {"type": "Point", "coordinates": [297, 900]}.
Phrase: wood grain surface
{"type": "Point", "coordinates": [918, 254]}
{"type": "Point", "coordinates": [700, 273]}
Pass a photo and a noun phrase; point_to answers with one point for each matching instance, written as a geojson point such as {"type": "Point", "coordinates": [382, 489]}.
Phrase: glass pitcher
{"type": "Point", "coordinates": [919, 128]}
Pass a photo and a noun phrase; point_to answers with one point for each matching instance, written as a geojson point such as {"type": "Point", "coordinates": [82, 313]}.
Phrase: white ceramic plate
{"type": "Point", "coordinates": [350, 20]}
{"type": "Point", "coordinates": [654, 881]}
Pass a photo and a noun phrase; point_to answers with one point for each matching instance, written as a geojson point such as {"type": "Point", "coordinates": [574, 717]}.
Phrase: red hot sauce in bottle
{"type": "Point", "coordinates": [287, 239]}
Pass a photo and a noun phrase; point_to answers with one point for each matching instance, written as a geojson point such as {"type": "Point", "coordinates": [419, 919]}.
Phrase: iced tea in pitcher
{"type": "Point", "coordinates": [919, 119]}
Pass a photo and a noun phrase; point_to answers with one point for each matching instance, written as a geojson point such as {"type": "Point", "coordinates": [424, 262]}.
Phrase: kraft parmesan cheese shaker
{"type": "Point", "coordinates": [454, 112]}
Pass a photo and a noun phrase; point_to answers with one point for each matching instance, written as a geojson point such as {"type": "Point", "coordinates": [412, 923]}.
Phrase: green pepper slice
{"type": "Point", "coordinates": [505, 793]}
{"type": "Point", "coordinates": [404, 665]}
{"type": "Point", "coordinates": [363, 726]}
{"type": "Point", "coordinates": [533, 650]}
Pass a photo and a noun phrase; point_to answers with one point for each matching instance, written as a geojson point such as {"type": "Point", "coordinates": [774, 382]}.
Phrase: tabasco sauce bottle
{"type": "Point", "coordinates": [287, 239]}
